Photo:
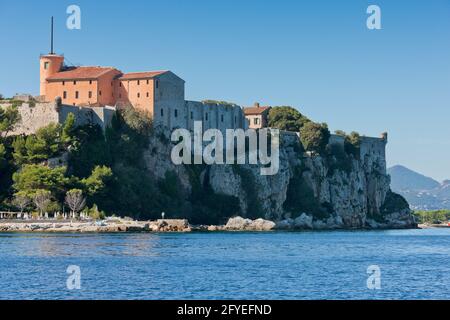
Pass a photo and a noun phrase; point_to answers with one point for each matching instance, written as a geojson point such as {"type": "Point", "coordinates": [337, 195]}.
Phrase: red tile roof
{"type": "Point", "coordinates": [141, 75]}
{"type": "Point", "coordinates": [86, 73]}
{"type": "Point", "coordinates": [255, 110]}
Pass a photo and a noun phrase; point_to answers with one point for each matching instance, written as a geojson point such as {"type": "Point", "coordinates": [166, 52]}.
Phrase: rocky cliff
{"type": "Point", "coordinates": [336, 190]}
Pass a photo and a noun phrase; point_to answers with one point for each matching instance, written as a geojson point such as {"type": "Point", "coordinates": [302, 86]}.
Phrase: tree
{"type": "Point", "coordinates": [45, 144]}
{"type": "Point", "coordinates": [34, 177]}
{"type": "Point", "coordinates": [21, 201]}
{"type": "Point", "coordinates": [315, 137]}
{"type": "Point", "coordinates": [2, 155]}
{"type": "Point", "coordinates": [352, 143]}
{"type": "Point", "coordinates": [96, 182]}
{"type": "Point", "coordinates": [42, 199]}
{"type": "Point", "coordinates": [286, 118]}
{"type": "Point", "coordinates": [68, 130]}
{"type": "Point", "coordinates": [75, 200]}
{"type": "Point", "coordinates": [9, 117]}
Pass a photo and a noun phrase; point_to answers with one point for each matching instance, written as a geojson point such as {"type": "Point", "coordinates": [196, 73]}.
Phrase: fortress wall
{"type": "Point", "coordinates": [337, 140]}
{"type": "Point", "coordinates": [373, 153]}
{"type": "Point", "coordinates": [35, 117]}
{"type": "Point", "coordinates": [44, 113]}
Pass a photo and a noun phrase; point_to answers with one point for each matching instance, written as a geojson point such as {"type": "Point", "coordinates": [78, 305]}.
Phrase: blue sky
{"type": "Point", "coordinates": [315, 55]}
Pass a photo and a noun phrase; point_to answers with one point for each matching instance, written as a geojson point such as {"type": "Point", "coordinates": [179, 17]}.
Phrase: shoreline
{"type": "Point", "coordinates": [124, 225]}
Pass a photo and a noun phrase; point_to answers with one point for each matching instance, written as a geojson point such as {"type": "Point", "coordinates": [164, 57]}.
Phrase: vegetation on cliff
{"type": "Point", "coordinates": [70, 168]}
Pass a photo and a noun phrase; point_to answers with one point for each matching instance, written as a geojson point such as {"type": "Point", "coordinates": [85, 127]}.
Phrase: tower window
{"type": "Point", "coordinates": [90, 81]}
{"type": "Point", "coordinates": [221, 117]}
{"type": "Point", "coordinates": [46, 65]}
{"type": "Point", "coordinates": [176, 113]}
{"type": "Point", "coordinates": [65, 95]}
{"type": "Point", "coordinates": [139, 82]}
{"type": "Point", "coordinates": [157, 84]}
{"type": "Point", "coordinates": [162, 112]}
{"type": "Point", "coordinates": [63, 83]}
{"type": "Point", "coordinates": [120, 84]}
{"type": "Point", "coordinates": [138, 95]}
{"type": "Point", "coordinates": [90, 94]}
{"type": "Point", "coordinates": [206, 116]}
{"type": "Point", "coordinates": [147, 81]}
{"type": "Point", "coordinates": [147, 95]}
{"type": "Point", "coordinates": [76, 94]}
{"type": "Point", "coordinates": [100, 93]}
{"type": "Point", "coordinates": [192, 115]}
{"type": "Point", "coordinates": [74, 82]}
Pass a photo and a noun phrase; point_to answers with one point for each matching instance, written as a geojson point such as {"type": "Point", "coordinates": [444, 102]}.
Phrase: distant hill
{"type": "Point", "coordinates": [422, 192]}
{"type": "Point", "coordinates": [406, 179]}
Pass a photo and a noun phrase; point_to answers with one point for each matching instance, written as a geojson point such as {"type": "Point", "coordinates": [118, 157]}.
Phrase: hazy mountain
{"type": "Point", "coordinates": [422, 192]}
{"type": "Point", "coordinates": [406, 179]}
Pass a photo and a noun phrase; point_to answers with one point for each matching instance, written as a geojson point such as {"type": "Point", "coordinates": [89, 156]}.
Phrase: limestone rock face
{"type": "Point", "coordinates": [352, 196]}
{"type": "Point", "coordinates": [348, 194]}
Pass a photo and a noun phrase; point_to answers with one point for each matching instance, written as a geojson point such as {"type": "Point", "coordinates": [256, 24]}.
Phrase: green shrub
{"type": "Point", "coordinates": [286, 118]}
{"type": "Point", "coordinates": [315, 137]}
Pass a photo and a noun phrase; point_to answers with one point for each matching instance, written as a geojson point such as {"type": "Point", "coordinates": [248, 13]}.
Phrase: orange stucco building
{"type": "Point", "coordinates": [107, 86]}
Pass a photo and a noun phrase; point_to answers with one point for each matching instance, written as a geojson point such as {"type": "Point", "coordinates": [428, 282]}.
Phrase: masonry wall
{"type": "Point", "coordinates": [42, 114]}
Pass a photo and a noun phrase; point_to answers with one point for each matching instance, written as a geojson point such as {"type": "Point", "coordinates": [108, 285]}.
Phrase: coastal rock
{"type": "Point", "coordinates": [285, 224]}
{"type": "Point", "coordinates": [304, 221]}
{"type": "Point", "coordinates": [261, 225]}
{"type": "Point", "coordinates": [238, 224]}
{"type": "Point", "coordinates": [242, 224]}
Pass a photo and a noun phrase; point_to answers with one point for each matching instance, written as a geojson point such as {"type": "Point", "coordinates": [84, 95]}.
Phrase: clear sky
{"type": "Point", "coordinates": [316, 55]}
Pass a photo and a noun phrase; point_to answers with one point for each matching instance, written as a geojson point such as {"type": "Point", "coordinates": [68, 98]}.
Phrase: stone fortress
{"type": "Point", "coordinates": [93, 94]}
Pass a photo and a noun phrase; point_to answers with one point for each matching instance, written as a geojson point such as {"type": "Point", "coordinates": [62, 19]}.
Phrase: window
{"type": "Point", "coordinates": [100, 93]}
{"type": "Point", "coordinates": [221, 118]}
{"type": "Point", "coordinates": [206, 116]}
{"type": "Point", "coordinates": [46, 65]}
{"type": "Point", "coordinates": [76, 94]}
{"type": "Point", "coordinates": [157, 84]}
{"type": "Point", "coordinates": [139, 82]}
{"type": "Point", "coordinates": [256, 121]}
{"type": "Point", "coordinates": [120, 84]}
{"type": "Point", "coordinates": [74, 82]}
{"type": "Point", "coordinates": [90, 81]}
{"type": "Point", "coordinates": [148, 95]}
{"type": "Point", "coordinates": [162, 112]}
{"type": "Point", "coordinates": [139, 95]}
{"type": "Point", "coordinates": [147, 81]}
{"type": "Point", "coordinates": [176, 113]}
{"type": "Point", "coordinates": [90, 94]}
{"type": "Point", "coordinates": [192, 115]}
{"type": "Point", "coordinates": [65, 95]}
{"type": "Point", "coordinates": [64, 83]}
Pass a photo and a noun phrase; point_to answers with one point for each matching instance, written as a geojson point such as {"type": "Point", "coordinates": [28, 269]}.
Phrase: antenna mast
{"type": "Point", "coordinates": [51, 37]}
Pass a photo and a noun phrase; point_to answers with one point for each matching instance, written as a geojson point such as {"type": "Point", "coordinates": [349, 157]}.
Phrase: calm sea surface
{"type": "Point", "coordinates": [415, 264]}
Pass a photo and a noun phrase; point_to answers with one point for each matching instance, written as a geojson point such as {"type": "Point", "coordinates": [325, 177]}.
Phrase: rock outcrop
{"type": "Point", "coordinates": [332, 191]}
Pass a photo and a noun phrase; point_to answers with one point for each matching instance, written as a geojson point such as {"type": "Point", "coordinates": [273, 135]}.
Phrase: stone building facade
{"type": "Point", "coordinates": [161, 94]}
